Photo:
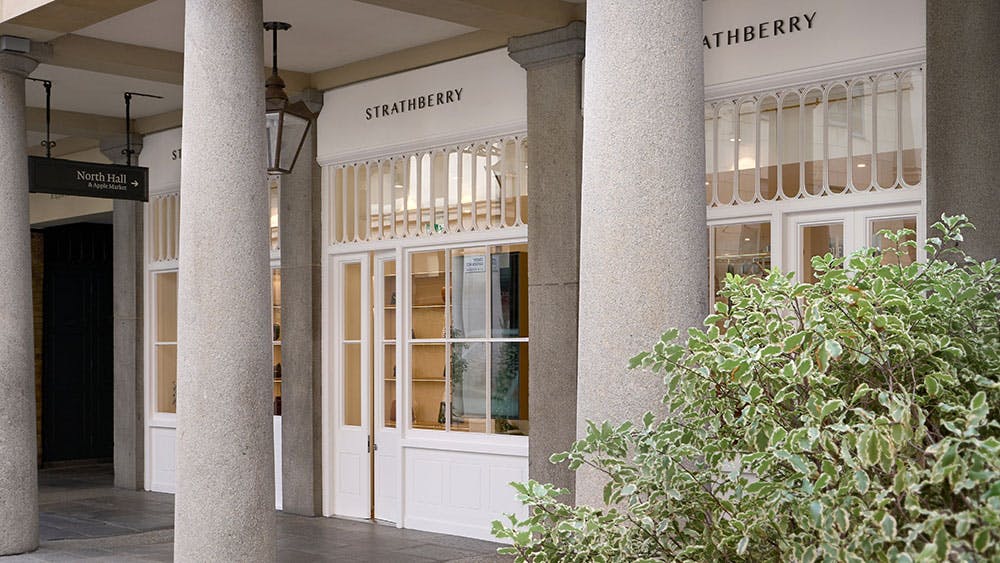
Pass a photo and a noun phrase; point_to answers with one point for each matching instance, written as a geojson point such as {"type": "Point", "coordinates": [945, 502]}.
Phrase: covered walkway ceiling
{"type": "Point", "coordinates": [103, 48]}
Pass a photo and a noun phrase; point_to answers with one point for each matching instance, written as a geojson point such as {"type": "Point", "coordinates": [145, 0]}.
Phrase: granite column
{"type": "Point", "coordinates": [643, 247]}
{"type": "Point", "coordinates": [18, 472]}
{"type": "Point", "coordinates": [301, 338]}
{"type": "Point", "coordinates": [962, 153]}
{"type": "Point", "coordinates": [552, 60]}
{"type": "Point", "coordinates": [127, 221]}
{"type": "Point", "coordinates": [224, 508]}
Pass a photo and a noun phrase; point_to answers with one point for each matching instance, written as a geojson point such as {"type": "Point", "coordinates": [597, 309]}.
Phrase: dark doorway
{"type": "Point", "coordinates": [78, 344]}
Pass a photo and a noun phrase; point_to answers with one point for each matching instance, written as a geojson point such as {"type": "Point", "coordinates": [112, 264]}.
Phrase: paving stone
{"type": "Point", "coordinates": [95, 522]}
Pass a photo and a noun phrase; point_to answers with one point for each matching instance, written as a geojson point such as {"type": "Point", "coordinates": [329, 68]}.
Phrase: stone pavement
{"type": "Point", "coordinates": [84, 518]}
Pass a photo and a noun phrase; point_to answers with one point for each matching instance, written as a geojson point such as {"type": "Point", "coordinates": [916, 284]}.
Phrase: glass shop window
{"type": "Point", "coordinates": [469, 339]}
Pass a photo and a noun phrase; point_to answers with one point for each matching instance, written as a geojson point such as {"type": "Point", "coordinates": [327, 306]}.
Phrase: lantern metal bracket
{"type": "Point", "coordinates": [48, 143]}
{"type": "Point", "coordinates": [127, 151]}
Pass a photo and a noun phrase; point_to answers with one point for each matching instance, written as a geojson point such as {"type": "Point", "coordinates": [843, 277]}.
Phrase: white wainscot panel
{"type": "Point", "coordinates": [163, 459]}
{"type": "Point", "coordinates": [460, 493]}
{"type": "Point", "coordinates": [277, 462]}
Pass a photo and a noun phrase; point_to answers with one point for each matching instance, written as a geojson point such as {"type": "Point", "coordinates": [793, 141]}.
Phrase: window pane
{"type": "Point", "coordinates": [427, 297]}
{"type": "Point", "coordinates": [352, 384]}
{"type": "Point", "coordinates": [274, 185]}
{"type": "Point", "coordinates": [389, 385]}
{"type": "Point", "coordinates": [166, 307]}
{"type": "Point", "coordinates": [836, 138]}
{"type": "Point", "coordinates": [389, 304]}
{"type": "Point", "coordinates": [887, 137]}
{"type": "Point", "coordinates": [352, 301]}
{"type": "Point", "coordinates": [861, 134]}
{"type": "Point", "coordinates": [469, 387]}
{"type": "Point", "coordinates": [790, 147]}
{"type": "Point", "coordinates": [768, 147]}
{"type": "Point", "coordinates": [912, 115]}
{"type": "Point", "coordinates": [468, 293]}
{"type": "Point", "coordinates": [428, 387]}
{"type": "Point", "coordinates": [166, 378]}
{"type": "Point", "coordinates": [819, 240]}
{"type": "Point", "coordinates": [746, 142]}
{"type": "Point", "coordinates": [726, 142]}
{"type": "Point", "coordinates": [276, 304]}
{"type": "Point", "coordinates": [509, 388]}
{"type": "Point", "coordinates": [889, 256]}
{"type": "Point", "coordinates": [710, 120]}
{"type": "Point", "coordinates": [276, 376]}
{"type": "Point", "coordinates": [743, 249]}
{"type": "Point", "coordinates": [276, 335]}
{"type": "Point", "coordinates": [509, 291]}
{"type": "Point", "coordinates": [812, 149]}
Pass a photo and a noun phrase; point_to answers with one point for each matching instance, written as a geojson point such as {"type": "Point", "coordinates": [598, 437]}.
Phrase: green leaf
{"type": "Point", "coordinates": [830, 407]}
{"type": "Point", "coordinates": [742, 546]}
{"type": "Point", "coordinates": [932, 386]}
{"type": "Point", "coordinates": [982, 540]}
{"type": "Point", "coordinates": [833, 348]}
{"type": "Point", "coordinates": [941, 543]}
{"type": "Point", "coordinates": [816, 510]}
{"type": "Point", "coordinates": [793, 342]}
{"type": "Point", "coordinates": [978, 401]}
{"type": "Point", "coordinates": [861, 481]}
{"type": "Point", "coordinates": [888, 526]}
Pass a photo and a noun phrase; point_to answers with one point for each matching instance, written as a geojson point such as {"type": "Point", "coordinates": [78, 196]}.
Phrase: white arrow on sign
{"type": "Point", "coordinates": [135, 183]}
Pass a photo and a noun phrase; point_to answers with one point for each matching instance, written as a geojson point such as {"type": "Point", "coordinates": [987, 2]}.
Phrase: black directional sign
{"type": "Point", "coordinates": [69, 177]}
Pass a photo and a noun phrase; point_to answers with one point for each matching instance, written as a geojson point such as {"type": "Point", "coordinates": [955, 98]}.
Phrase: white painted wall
{"type": "Point", "coordinates": [493, 102]}
{"type": "Point", "coordinates": [158, 154]}
{"type": "Point", "coordinates": [842, 31]}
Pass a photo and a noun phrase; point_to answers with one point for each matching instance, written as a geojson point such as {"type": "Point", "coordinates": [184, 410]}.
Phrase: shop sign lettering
{"type": "Point", "coordinates": [763, 30]}
{"type": "Point", "coordinates": [415, 103]}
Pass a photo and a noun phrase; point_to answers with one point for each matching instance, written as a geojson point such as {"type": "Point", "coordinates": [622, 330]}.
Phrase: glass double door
{"type": "Point", "coordinates": [366, 460]}
{"type": "Point", "coordinates": [840, 232]}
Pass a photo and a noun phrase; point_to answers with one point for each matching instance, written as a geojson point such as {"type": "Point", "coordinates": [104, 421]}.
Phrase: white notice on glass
{"type": "Point", "coordinates": [475, 264]}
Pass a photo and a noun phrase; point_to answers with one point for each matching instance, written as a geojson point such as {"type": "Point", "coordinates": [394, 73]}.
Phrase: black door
{"type": "Point", "coordinates": [77, 363]}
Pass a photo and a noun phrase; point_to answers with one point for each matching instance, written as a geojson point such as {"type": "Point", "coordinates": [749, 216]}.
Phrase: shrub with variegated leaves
{"type": "Point", "coordinates": [853, 419]}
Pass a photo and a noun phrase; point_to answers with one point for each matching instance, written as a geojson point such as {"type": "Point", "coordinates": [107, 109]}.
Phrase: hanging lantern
{"type": "Point", "coordinates": [287, 124]}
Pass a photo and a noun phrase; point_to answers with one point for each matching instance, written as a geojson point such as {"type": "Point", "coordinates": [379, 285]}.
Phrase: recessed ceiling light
{"type": "Point", "coordinates": [747, 239]}
{"type": "Point", "coordinates": [733, 139]}
{"type": "Point", "coordinates": [862, 165]}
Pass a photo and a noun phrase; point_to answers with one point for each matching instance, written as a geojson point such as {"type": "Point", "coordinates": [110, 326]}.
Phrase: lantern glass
{"type": "Point", "coordinates": [286, 132]}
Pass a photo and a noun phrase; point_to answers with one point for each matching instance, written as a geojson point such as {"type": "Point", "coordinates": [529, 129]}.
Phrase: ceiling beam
{"type": "Point", "coordinates": [513, 17]}
{"type": "Point", "coordinates": [74, 124]}
{"type": "Point", "coordinates": [134, 61]}
{"type": "Point", "coordinates": [159, 122]}
{"type": "Point", "coordinates": [65, 16]}
{"type": "Point", "coordinates": [122, 59]}
{"type": "Point", "coordinates": [416, 57]}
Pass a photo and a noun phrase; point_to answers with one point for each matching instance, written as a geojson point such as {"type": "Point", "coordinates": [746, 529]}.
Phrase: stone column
{"type": "Point", "coordinates": [224, 508]}
{"type": "Point", "coordinates": [301, 339]}
{"type": "Point", "coordinates": [644, 243]}
{"type": "Point", "coordinates": [129, 430]}
{"type": "Point", "coordinates": [555, 154]}
{"type": "Point", "coordinates": [18, 474]}
{"type": "Point", "coordinates": [962, 153]}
